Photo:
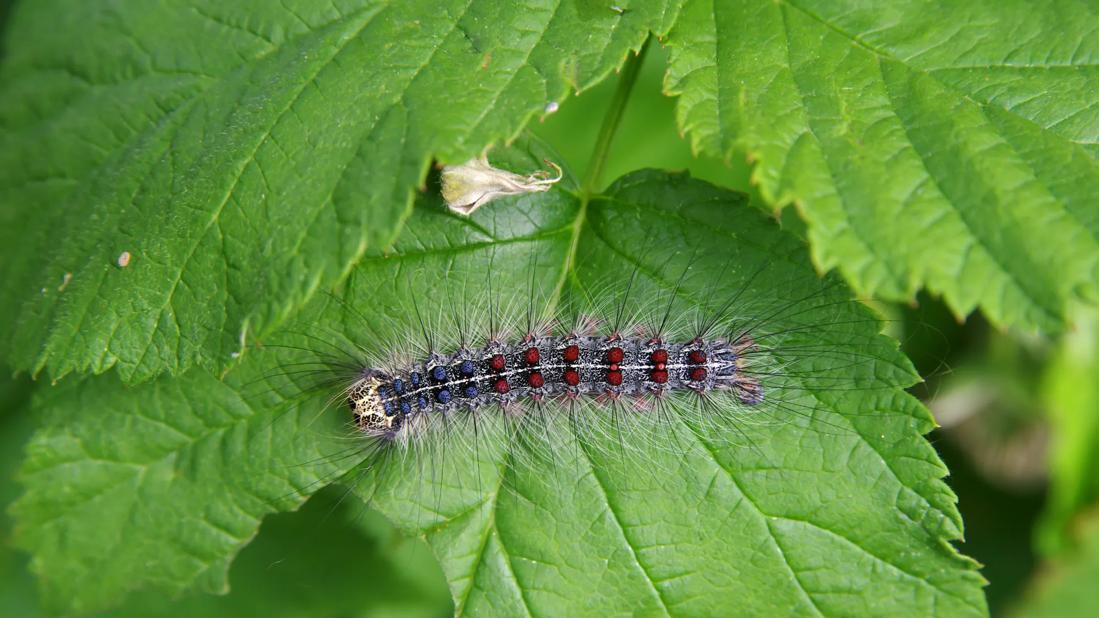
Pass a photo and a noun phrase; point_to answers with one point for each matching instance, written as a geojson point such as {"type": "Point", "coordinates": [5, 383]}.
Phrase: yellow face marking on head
{"type": "Point", "coordinates": [368, 407]}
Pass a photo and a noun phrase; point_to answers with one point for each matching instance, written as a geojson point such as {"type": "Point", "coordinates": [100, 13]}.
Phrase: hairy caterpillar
{"type": "Point", "coordinates": [582, 363]}
{"type": "Point", "coordinates": [666, 487]}
{"type": "Point", "coordinates": [432, 352]}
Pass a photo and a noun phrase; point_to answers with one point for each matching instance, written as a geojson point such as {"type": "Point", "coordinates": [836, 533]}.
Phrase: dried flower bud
{"type": "Point", "coordinates": [473, 184]}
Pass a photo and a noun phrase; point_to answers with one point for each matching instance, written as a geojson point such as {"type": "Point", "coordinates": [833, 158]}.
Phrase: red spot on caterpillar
{"type": "Point", "coordinates": [535, 379]}
{"type": "Point", "coordinates": [572, 377]}
{"type": "Point", "coordinates": [615, 355]}
{"type": "Point", "coordinates": [571, 354]}
{"type": "Point", "coordinates": [659, 356]}
{"type": "Point", "coordinates": [614, 378]}
{"type": "Point", "coordinates": [698, 374]}
{"type": "Point", "coordinates": [659, 376]}
{"type": "Point", "coordinates": [661, 366]}
{"type": "Point", "coordinates": [531, 356]}
{"type": "Point", "coordinates": [501, 386]}
{"type": "Point", "coordinates": [613, 367]}
{"type": "Point", "coordinates": [497, 362]}
{"type": "Point", "coordinates": [697, 357]}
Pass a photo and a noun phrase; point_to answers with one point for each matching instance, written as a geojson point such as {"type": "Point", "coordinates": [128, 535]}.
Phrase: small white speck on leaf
{"type": "Point", "coordinates": [551, 107]}
{"type": "Point", "coordinates": [124, 259]}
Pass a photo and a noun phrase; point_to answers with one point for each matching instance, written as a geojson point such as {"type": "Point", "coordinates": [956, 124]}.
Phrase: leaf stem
{"type": "Point", "coordinates": [627, 78]}
{"type": "Point", "coordinates": [590, 183]}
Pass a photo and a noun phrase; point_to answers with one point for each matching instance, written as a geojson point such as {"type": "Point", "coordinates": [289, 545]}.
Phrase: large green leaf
{"type": "Point", "coordinates": [945, 144]}
{"type": "Point", "coordinates": [366, 568]}
{"type": "Point", "coordinates": [244, 154]}
{"type": "Point", "coordinates": [159, 485]}
{"type": "Point", "coordinates": [330, 559]}
{"type": "Point", "coordinates": [673, 530]}
{"type": "Point", "coordinates": [831, 504]}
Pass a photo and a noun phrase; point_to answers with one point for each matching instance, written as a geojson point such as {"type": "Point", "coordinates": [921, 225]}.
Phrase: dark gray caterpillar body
{"type": "Point", "coordinates": [539, 368]}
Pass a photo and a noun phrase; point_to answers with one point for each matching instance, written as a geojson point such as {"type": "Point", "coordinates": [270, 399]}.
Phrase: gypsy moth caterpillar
{"type": "Point", "coordinates": [590, 504]}
{"type": "Point", "coordinates": [600, 346]}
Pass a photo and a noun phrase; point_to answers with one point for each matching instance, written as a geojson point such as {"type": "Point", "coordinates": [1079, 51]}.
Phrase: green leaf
{"type": "Point", "coordinates": [950, 145]}
{"type": "Point", "coordinates": [759, 521]}
{"type": "Point", "coordinates": [159, 485]}
{"type": "Point", "coordinates": [244, 154]}
{"type": "Point", "coordinates": [366, 567]}
{"type": "Point", "coordinates": [839, 509]}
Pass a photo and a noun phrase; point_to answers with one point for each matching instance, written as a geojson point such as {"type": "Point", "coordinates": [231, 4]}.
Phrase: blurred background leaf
{"type": "Point", "coordinates": [17, 587]}
{"type": "Point", "coordinates": [1070, 391]}
{"type": "Point", "coordinates": [1066, 587]}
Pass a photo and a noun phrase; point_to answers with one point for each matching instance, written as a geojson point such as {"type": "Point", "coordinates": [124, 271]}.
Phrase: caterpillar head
{"type": "Point", "coordinates": [375, 412]}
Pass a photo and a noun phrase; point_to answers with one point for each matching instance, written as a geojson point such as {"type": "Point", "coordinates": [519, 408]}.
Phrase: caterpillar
{"type": "Point", "coordinates": [779, 410]}
{"type": "Point", "coordinates": [662, 304]}
{"type": "Point", "coordinates": [621, 359]}
{"type": "Point", "coordinates": [431, 352]}
{"type": "Point", "coordinates": [579, 364]}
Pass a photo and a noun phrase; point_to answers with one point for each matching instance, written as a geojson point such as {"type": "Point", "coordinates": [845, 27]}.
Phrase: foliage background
{"type": "Point", "coordinates": [1002, 395]}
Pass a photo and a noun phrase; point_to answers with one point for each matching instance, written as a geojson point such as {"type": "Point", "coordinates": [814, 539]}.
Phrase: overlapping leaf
{"type": "Point", "coordinates": [948, 145]}
{"type": "Point", "coordinates": [244, 154]}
